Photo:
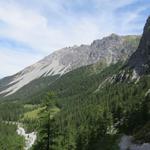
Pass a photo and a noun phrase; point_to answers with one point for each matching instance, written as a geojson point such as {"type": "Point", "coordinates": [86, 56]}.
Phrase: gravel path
{"type": "Point", "coordinates": [127, 144]}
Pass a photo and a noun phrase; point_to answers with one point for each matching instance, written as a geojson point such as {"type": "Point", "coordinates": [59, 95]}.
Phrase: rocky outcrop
{"type": "Point", "coordinates": [140, 60]}
{"type": "Point", "coordinates": [126, 143]}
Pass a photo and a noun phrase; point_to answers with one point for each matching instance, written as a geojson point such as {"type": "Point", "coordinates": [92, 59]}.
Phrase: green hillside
{"type": "Point", "coordinates": [95, 110]}
{"type": "Point", "coordinates": [33, 91]}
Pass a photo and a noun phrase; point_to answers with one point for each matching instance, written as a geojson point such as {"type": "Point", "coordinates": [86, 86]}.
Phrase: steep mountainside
{"type": "Point", "coordinates": [140, 60]}
{"type": "Point", "coordinates": [107, 50]}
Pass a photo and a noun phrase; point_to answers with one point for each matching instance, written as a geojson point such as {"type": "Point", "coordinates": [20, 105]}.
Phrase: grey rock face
{"type": "Point", "coordinates": [126, 143]}
{"type": "Point", "coordinates": [140, 60]}
{"type": "Point", "coordinates": [106, 51]}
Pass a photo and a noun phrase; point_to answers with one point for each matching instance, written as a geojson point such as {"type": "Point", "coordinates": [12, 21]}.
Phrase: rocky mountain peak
{"type": "Point", "coordinates": [114, 37]}
{"type": "Point", "coordinates": [140, 60]}
{"type": "Point", "coordinates": [106, 42]}
{"type": "Point", "coordinates": [107, 50]}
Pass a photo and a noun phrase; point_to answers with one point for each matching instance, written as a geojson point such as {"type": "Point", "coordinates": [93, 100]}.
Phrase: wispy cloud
{"type": "Point", "coordinates": [28, 26]}
{"type": "Point", "coordinates": [13, 61]}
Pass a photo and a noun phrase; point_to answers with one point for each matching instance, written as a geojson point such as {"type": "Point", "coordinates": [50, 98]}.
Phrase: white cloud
{"type": "Point", "coordinates": [11, 62]}
{"type": "Point", "coordinates": [32, 28]}
{"type": "Point", "coordinates": [47, 25]}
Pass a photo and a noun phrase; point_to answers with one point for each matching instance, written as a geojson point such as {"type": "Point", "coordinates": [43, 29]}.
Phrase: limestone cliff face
{"type": "Point", "coordinates": [106, 51]}
{"type": "Point", "coordinates": [140, 60]}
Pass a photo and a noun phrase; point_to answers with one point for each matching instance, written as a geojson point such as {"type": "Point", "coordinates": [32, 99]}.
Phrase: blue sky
{"type": "Point", "coordinates": [32, 29]}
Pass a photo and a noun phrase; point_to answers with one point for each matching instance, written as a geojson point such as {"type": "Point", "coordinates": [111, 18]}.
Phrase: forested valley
{"type": "Point", "coordinates": [86, 109]}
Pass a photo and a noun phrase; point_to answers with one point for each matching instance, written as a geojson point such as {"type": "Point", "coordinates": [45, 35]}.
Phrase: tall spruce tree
{"type": "Point", "coordinates": [45, 124]}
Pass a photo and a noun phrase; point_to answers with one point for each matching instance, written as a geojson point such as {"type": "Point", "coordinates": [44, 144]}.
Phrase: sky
{"type": "Point", "coordinates": [32, 29]}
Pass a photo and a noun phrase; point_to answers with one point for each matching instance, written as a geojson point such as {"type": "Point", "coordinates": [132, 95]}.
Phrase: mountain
{"type": "Point", "coordinates": [140, 60]}
{"type": "Point", "coordinates": [89, 110]}
{"type": "Point", "coordinates": [97, 114]}
{"type": "Point", "coordinates": [108, 50]}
